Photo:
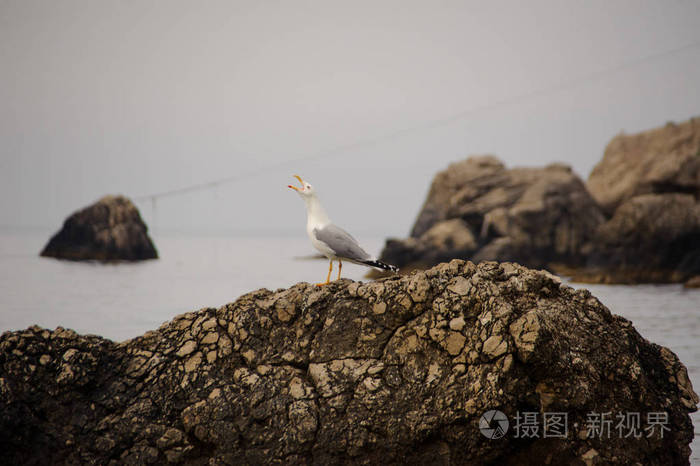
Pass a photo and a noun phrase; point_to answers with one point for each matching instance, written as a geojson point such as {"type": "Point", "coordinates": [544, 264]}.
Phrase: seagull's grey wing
{"type": "Point", "coordinates": [342, 244]}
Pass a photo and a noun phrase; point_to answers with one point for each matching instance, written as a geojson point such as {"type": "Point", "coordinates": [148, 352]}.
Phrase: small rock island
{"type": "Point", "coordinates": [396, 371]}
{"type": "Point", "coordinates": [109, 230]}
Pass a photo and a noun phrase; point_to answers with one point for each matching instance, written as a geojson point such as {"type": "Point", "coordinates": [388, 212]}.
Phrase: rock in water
{"type": "Point", "coordinates": [650, 185]}
{"type": "Point", "coordinates": [636, 221]}
{"type": "Point", "coordinates": [477, 209]}
{"type": "Point", "coordinates": [390, 372]}
{"type": "Point", "coordinates": [109, 230]}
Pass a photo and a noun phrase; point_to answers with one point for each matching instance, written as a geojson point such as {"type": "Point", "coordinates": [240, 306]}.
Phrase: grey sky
{"type": "Point", "coordinates": [102, 97]}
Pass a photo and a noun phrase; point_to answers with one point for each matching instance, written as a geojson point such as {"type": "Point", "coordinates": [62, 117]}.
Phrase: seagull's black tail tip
{"type": "Point", "coordinates": [382, 265]}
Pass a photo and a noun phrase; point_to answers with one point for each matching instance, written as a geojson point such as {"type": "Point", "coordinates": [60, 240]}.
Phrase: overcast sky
{"type": "Point", "coordinates": [140, 97]}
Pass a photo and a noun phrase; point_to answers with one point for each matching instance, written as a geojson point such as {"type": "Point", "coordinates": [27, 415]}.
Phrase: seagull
{"type": "Point", "coordinates": [331, 240]}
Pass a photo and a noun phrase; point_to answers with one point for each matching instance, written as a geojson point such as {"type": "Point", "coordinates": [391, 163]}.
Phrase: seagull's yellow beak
{"type": "Point", "coordinates": [300, 181]}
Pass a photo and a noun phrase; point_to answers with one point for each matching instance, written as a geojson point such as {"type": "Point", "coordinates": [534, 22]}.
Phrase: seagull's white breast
{"type": "Point", "coordinates": [317, 219]}
{"type": "Point", "coordinates": [318, 244]}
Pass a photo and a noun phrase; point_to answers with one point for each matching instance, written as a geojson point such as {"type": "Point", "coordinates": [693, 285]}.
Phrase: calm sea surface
{"type": "Point", "coordinates": [125, 300]}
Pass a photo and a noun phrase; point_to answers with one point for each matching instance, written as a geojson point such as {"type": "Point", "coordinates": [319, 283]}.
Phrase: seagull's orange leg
{"type": "Point", "coordinates": [340, 267]}
{"type": "Point", "coordinates": [328, 279]}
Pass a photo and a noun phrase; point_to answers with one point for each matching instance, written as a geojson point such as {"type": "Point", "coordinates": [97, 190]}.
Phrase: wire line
{"type": "Point", "coordinates": [445, 121]}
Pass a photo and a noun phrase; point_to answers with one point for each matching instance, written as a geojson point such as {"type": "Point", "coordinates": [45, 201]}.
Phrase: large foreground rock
{"type": "Point", "coordinates": [395, 371]}
{"type": "Point", "coordinates": [661, 160]}
{"type": "Point", "coordinates": [477, 209]}
{"type": "Point", "coordinates": [109, 230]}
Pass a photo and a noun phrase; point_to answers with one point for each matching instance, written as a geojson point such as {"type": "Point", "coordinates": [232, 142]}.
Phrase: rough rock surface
{"type": "Point", "coordinates": [109, 230]}
{"type": "Point", "coordinates": [661, 160]}
{"type": "Point", "coordinates": [396, 371]}
{"type": "Point", "coordinates": [480, 210]}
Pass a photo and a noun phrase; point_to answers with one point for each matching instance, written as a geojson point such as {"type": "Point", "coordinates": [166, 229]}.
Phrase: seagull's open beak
{"type": "Point", "coordinates": [300, 181]}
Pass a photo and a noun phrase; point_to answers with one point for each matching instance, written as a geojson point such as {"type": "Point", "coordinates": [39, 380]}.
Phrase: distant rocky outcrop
{"type": "Point", "coordinates": [109, 230]}
{"type": "Point", "coordinates": [649, 183]}
{"type": "Point", "coordinates": [636, 220]}
{"type": "Point", "coordinates": [478, 209]}
{"type": "Point", "coordinates": [397, 371]}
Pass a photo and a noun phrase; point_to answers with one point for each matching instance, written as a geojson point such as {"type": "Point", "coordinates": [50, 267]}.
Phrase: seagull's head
{"type": "Point", "coordinates": [305, 191]}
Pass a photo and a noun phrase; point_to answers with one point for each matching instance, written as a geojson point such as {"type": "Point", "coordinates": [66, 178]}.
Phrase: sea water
{"type": "Point", "coordinates": [122, 301]}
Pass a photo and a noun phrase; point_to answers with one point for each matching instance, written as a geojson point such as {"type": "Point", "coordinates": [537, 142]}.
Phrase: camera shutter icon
{"type": "Point", "coordinates": [493, 424]}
